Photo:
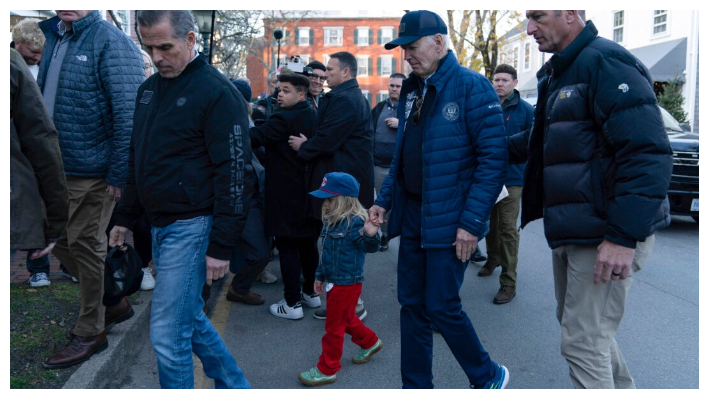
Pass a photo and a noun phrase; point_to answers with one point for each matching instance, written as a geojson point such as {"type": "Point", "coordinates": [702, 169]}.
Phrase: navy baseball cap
{"type": "Point", "coordinates": [415, 25]}
{"type": "Point", "coordinates": [337, 183]}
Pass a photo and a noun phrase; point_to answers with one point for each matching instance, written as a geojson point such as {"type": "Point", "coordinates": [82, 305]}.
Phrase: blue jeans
{"type": "Point", "coordinates": [429, 283]}
{"type": "Point", "coordinates": [178, 326]}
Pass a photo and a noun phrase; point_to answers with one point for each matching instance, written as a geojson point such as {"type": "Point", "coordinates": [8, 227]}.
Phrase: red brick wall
{"type": "Point", "coordinates": [373, 82]}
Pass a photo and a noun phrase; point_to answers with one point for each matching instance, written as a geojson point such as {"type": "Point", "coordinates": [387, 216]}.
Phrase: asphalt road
{"type": "Point", "coordinates": [659, 335]}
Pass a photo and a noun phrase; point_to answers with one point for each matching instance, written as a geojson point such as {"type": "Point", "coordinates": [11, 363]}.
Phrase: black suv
{"type": "Point", "coordinates": [684, 184]}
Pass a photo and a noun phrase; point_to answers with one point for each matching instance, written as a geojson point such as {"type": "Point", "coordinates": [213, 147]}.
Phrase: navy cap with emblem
{"type": "Point", "coordinates": [337, 183]}
{"type": "Point", "coordinates": [417, 24]}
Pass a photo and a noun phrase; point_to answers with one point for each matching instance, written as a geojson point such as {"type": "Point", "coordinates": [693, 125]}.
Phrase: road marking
{"type": "Point", "coordinates": [218, 319]}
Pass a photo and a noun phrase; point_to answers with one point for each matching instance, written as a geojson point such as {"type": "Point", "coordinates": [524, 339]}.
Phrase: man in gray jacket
{"type": "Point", "coordinates": [89, 76]}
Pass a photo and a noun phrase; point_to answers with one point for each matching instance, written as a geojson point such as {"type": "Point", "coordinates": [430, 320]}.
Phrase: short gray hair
{"type": "Point", "coordinates": [182, 21]}
{"type": "Point", "coordinates": [28, 32]}
{"type": "Point", "coordinates": [446, 40]}
{"type": "Point", "coordinates": [270, 75]}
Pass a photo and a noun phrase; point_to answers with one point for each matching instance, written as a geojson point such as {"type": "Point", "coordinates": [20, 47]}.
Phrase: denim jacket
{"type": "Point", "coordinates": [343, 249]}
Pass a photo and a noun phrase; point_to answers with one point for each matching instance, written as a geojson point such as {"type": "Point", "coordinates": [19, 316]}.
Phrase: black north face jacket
{"type": "Point", "coordinates": [598, 158]}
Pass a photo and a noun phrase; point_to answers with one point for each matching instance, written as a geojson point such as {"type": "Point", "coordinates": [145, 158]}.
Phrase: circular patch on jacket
{"type": "Point", "coordinates": [451, 111]}
{"type": "Point", "coordinates": [181, 101]}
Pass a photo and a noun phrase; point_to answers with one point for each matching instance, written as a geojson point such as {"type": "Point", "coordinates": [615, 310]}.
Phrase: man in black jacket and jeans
{"type": "Point", "coordinates": [598, 169]}
{"type": "Point", "coordinates": [190, 169]}
{"type": "Point", "coordinates": [385, 124]}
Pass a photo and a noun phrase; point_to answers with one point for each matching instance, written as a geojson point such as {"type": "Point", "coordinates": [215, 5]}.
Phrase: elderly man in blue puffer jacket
{"type": "Point", "coordinates": [448, 168]}
{"type": "Point", "coordinates": [89, 76]}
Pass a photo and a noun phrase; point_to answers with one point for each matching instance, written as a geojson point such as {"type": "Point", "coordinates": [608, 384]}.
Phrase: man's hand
{"type": "Point", "coordinates": [317, 287]}
{"type": "Point", "coordinates": [393, 123]}
{"type": "Point", "coordinates": [41, 252]}
{"type": "Point", "coordinates": [465, 244]}
{"type": "Point", "coordinates": [117, 236]}
{"type": "Point", "coordinates": [296, 142]}
{"type": "Point", "coordinates": [216, 269]}
{"type": "Point", "coordinates": [613, 262]}
{"type": "Point", "coordinates": [114, 193]}
{"type": "Point", "coordinates": [376, 215]}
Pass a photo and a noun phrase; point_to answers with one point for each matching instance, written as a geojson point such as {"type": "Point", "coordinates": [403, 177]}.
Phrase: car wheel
{"type": "Point", "coordinates": [696, 218]}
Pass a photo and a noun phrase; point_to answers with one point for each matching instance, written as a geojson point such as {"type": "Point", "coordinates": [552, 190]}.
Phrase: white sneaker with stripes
{"type": "Point", "coordinates": [281, 309]}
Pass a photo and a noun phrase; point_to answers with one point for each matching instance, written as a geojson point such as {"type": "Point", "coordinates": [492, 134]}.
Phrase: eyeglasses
{"type": "Point", "coordinates": [320, 78]}
{"type": "Point", "coordinates": [417, 115]}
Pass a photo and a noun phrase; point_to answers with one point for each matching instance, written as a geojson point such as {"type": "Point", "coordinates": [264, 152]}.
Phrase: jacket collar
{"type": "Point", "coordinates": [512, 100]}
{"type": "Point", "coordinates": [194, 65]}
{"type": "Point", "coordinates": [300, 105]}
{"type": "Point", "coordinates": [446, 66]}
{"type": "Point", "coordinates": [80, 25]}
{"type": "Point", "coordinates": [343, 86]}
{"type": "Point", "coordinates": [561, 61]}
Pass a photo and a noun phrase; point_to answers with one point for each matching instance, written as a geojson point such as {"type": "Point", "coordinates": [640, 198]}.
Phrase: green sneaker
{"type": "Point", "coordinates": [364, 354]}
{"type": "Point", "coordinates": [314, 377]}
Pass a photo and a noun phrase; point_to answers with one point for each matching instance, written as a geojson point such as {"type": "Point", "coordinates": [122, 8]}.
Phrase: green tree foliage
{"type": "Point", "coordinates": [672, 100]}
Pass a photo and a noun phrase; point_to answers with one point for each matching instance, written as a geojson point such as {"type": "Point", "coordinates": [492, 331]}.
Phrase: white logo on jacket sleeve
{"type": "Point", "coordinates": [81, 58]}
{"type": "Point", "coordinates": [451, 111]}
{"type": "Point", "coordinates": [623, 87]}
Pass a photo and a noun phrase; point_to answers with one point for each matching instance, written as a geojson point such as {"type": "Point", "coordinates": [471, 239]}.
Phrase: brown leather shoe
{"type": "Point", "coordinates": [486, 270]}
{"type": "Point", "coordinates": [118, 313]}
{"type": "Point", "coordinates": [505, 294]}
{"type": "Point", "coordinates": [78, 350]}
{"type": "Point", "coordinates": [251, 298]}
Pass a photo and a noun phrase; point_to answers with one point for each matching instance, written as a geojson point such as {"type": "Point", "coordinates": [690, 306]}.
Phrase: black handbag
{"type": "Point", "coordinates": [123, 273]}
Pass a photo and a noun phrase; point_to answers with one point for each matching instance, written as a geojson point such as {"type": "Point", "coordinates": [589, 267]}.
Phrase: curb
{"type": "Point", "coordinates": [109, 366]}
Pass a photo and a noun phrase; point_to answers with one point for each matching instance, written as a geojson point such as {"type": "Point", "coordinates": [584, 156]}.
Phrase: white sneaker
{"type": "Point", "coordinates": [311, 301]}
{"type": "Point", "coordinates": [148, 282]}
{"type": "Point", "coordinates": [267, 277]}
{"type": "Point", "coordinates": [39, 280]}
{"type": "Point", "coordinates": [281, 309]}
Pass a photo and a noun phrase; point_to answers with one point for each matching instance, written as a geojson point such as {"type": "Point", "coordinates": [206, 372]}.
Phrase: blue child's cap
{"type": "Point", "coordinates": [337, 183]}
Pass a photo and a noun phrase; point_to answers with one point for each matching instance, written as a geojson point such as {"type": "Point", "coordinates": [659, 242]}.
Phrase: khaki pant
{"type": "Point", "coordinates": [590, 314]}
{"type": "Point", "coordinates": [82, 248]}
{"type": "Point", "coordinates": [503, 239]}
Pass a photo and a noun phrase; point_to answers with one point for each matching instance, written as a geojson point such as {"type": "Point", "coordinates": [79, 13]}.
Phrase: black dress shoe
{"type": "Point", "coordinates": [478, 256]}
{"type": "Point", "coordinates": [384, 244]}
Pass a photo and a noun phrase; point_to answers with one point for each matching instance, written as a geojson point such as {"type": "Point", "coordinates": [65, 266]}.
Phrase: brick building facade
{"type": "Point", "coordinates": [316, 38]}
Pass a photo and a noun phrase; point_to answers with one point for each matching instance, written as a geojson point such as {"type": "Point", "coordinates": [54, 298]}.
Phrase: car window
{"type": "Point", "coordinates": [669, 121]}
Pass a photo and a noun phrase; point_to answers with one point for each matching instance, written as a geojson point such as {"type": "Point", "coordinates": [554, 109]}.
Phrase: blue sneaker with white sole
{"type": "Point", "coordinates": [502, 377]}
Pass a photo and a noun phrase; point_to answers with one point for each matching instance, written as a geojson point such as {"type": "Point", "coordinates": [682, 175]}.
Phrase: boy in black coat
{"type": "Point", "coordinates": [286, 193]}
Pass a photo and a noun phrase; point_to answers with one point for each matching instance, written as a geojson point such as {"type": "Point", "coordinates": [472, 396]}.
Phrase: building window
{"type": "Point", "coordinates": [303, 36]}
{"type": "Point", "coordinates": [325, 59]}
{"type": "Point", "coordinates": [659, 23]}
{"type": "Point", "coordinates": [387, 35]}
{"type": "Point", "coordinates": [515, 59]}
{"type": "Point", "coordinates": [527, 56]}
{"type": "Point", "coordinates": [362, 38]}
{"type": "Point", "coordinates": [124, 17]}
{"type": "Point", "coordinates": [362, 64]}
{"type": "Point", "coordinates": [333, 36]}
{"type": "Point", "coordinates": [383, 95]}
{"type": "Point", "coordinates": [542, 58]}
{"type": "Point", "coordinates": [618, 23]}
{"type": "Point", "coordinates": [385, 65]}
{"type": "Point", "coordinates": [305, 58]}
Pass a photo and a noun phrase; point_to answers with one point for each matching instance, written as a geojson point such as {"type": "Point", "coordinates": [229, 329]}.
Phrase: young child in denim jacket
{"type": "Point", "coordinates": [347, 235]}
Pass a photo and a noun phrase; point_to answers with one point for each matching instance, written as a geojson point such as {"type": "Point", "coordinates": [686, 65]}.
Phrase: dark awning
{"type": "Point", "coordinates": [665, 61]}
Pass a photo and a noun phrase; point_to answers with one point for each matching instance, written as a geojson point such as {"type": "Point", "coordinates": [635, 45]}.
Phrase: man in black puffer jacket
{"type": "Point", "coordinates": [598, 170]}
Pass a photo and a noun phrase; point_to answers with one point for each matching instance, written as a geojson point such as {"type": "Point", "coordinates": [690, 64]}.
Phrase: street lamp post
{"type": "Point", "coordinates": [205, 24]}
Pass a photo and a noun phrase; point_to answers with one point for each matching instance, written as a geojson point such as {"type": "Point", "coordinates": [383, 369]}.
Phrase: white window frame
{"type": "Point", "coordinates": [381, 96]}
{"type": "Point", "coordinates": [325, 59]}
{"type": "Point", "coordinates": [125, 25]}
{"type": "Point", "coordinates": [364, 93]}
{"type": "Point", "coordinates": [364, 58]}
{"type": "Point", "coordinates": [666, 32]}
{"type": "Point", "coordinates": [386, 60]}
{"type": "Point", "coordinates": [515, 57]}
{"type": "Point", "coordinates": [326, 31]}
{"type": "Point", "coordinates": [359, 36]}
{"type": "Point", "coordinates": [386, 39]}
{"type": "Point", "coordinates": [619, 28]}
{"type": "Point", "coordinates": [527, 56]}
{"type": "Point", "coordinates": [300, 36]}
{"type": "Point", "coordinates": [542, 58]}
{"type": "Point", "coordinates": [304, 58]}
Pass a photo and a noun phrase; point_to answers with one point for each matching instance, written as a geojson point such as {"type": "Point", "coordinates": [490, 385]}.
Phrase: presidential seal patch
{"type": "Point", "coordinates": [451, 111]}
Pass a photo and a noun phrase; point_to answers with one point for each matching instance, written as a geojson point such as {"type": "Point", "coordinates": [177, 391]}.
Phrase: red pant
{"type": "Point", "coordinates": [341, 319]}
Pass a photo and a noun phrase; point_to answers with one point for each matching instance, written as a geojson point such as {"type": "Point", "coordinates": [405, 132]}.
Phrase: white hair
{"type": "Point", "coordinates": [446, 40]}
